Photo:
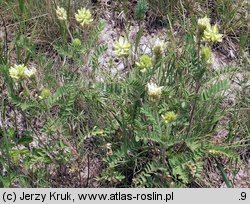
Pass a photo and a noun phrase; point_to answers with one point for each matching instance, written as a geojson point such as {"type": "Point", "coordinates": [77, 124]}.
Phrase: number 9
{"type": "Point", "coordinates": [243, 195]}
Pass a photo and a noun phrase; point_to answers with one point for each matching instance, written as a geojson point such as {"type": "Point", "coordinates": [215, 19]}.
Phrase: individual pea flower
{"type": "Point", "coordinates": [144, 63]}
{"type": "Point", "coordinates": [203, 23]}
{"type": "Point", "coordinates": [154, 91]}
{"type": "Point", "coordinates": [122, 47]}
{"type": "Point", "coordinates": [45, 94]}
{"type": "Point", "coordinates": [61, 14]}
{"type": "Point", "coordinates": [143, 70]}
{"type": "Point", "coordinates": [17, 72]}
{"type": "Point", "coordinates": [76, 42]}
{"type": "Point", "coordinates": [169, 117]}
{"type": "Point", "coordinates": [206, 55]}
{"type": "Point", "coordinates": [29, 72]}
{"type": "Point", "coordinates": [212, 34]}
{"type": "Point", "coordinates": [84, 16]}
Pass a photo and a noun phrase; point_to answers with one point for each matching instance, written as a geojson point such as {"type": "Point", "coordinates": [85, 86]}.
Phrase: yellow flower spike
{"type": "Point", "coordinates": [212, 34]}
{"type": "Point", "coordinates": [45, 94]}
{"type": "Point", "coordinates": [83, 16]}
{"type": "Point", "coordinates": [61, 14]}
{"type": "Point", "coordinates": [121, 47]}
{"type": "Point", "coordinates": [158, 50]}
{"type": "Point", "coordinates": [203, 23]}
{"type": "Point", "coordinates": [206, 55]}
{"type": "Point", "coordinates": [154, 92]}
{"type": "Point", "coordinates": [144, 63]}
{"type": "Point", "coordinates": [169, 117]}
{"type": "Point", "coordinates": [17, 72]}
{"type": "Point", "coordinates": [159, 47]}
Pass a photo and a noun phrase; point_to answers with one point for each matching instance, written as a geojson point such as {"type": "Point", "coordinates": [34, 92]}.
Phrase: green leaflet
{"type": "Point", "coordinates": [214, 89]}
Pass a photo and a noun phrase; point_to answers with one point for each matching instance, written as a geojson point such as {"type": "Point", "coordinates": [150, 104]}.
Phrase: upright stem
{"type": "Point", "coordinates": [193, 109]}
{"type": "Point", "coordinates": [198, 85]}
{"type": "Point", "coordinates": [67, 25]}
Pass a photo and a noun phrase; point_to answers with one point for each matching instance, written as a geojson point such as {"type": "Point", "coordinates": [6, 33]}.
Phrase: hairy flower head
{"type": "Point", "coordinates": [158, 50]}
{"type": "Point", "coordinates": [76, 42]}
{"type": "Point", "coordinates": [144, 63]}
{"type": "Point", "coordinates": [169, 117]}
{"type": "Point", "coordinates": [212, 34]}
{"type": "Point", "coordinates": [121, 47]}
{"type": "Point", "coordinates": [159, 47]}
{"type": "Point", "coordinates": [17, 72]}
{"type": "Point", "coordinates": [154, 91]}
{"type": "Point", "coordinates": [61, 14]}
{"type": "Point", "coordinates": [45, 94]}
{"type": "Point", "coordinates": [83, 16]}
{"type": "Point", "coordinates": [203, 23]}
{"type": "Point", "coordinates": [30, 72]}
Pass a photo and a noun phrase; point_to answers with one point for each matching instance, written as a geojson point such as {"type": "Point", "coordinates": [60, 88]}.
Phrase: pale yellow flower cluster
{"type": "Point", "coordinates": [144, 63]}
{"type": "Point", "coordinates": [207, 34]}
{"type": "Point", "coordinates": [45, 93]}
{"type": "Point", "coordinates": [121, 47]}
{"type": "Point", "coordinates": [203, 23]}
{"type": "Point", "coordinates": [83, 15]}
{"type": "Point", "coordinates": [158, 50]}
{"type": "Point", "coordinates": [159, 47]}
{"type": "Point", "coordinates": [61, 14]}
{"type": "Point", "coordinates": [154, 91]}
{"type": "Point", "coordinates": [210, 33]}
{"type": "Point", "coordinates": [20, 72]}
{"type": "Point", "coordinates": [169, 117]}
{"type": "Point", "coordinates": [76, 42]}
